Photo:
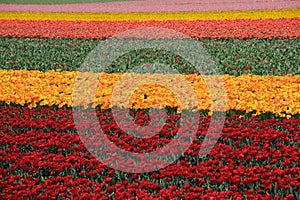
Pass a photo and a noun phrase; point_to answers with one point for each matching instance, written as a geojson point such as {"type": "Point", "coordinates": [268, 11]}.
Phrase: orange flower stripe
{"type": "Point", "coordinates": [239, 28]}
{"type": "Point", "coordinates": [279, 95]}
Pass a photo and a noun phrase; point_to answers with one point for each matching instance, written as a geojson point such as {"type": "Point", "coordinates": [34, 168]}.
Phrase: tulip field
{"type": "Point", "coordinates": [44, 156]}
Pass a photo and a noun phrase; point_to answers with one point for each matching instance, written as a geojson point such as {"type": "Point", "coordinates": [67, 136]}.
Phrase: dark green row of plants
{"type": "Point", "coordinates": [230, 56]}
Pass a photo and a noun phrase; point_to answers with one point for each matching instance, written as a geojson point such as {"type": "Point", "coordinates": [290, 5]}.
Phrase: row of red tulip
{"type": "Point", "coordinates": [239, 28]}
{"type": "Point", "coordinates": [43, 156]}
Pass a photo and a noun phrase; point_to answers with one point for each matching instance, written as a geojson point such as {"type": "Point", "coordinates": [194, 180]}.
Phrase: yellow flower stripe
{"type": "Point", "coordinates": [276, 94]}
{"type": "Point", "coordinates": [211, 15]}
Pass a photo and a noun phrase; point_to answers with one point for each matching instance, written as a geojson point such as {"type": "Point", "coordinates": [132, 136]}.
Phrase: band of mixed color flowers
{"type": "Point", "coordinates": [275, 57]}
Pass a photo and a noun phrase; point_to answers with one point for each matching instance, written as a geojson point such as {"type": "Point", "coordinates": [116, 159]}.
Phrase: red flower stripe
{"type": "Point", "coordinates": [268, 28]}
{"type": "Point", "coordinates": [42, 158]}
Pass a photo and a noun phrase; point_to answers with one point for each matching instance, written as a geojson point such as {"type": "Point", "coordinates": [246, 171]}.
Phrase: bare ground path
{"type": "Point", "coordinates": [157, 6]}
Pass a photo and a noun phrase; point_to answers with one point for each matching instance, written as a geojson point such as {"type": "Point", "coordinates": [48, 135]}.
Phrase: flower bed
{"type": "Point", "coordinates": [44, 156]}
{"type": "Point", "coordinates": [243, 28]}
{"type": "Point", "coordinates": [251, 93]}
{"type": "Point", "coordinates": [232, 56]}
